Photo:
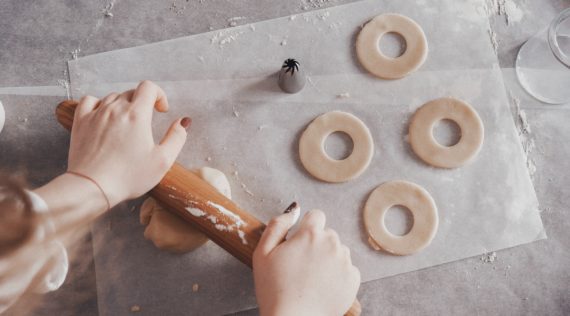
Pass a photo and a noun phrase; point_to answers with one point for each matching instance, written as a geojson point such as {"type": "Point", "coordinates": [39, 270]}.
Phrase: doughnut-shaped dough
{"type": "Point", "coordinates": [420, 204]}
{"type": "Point", "coordinates": [429, 150]}
{"type": "Point", "coordinates": [380, 65]}
{"type": "Point", "coordinates": [312, 147]}
{"type": "Point", "coordinates": [168, 231]}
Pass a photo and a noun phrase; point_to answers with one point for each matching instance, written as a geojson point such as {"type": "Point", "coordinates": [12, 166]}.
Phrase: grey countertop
{"type": "Point", "coordinates": [38, 37]}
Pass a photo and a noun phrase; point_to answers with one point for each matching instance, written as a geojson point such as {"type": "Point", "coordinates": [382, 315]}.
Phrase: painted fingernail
{"type": "Point", "coordinates": [295, 210]}
{"type": "Point", "coordinates": [185, 122]}
{"type": "Point", "coordinates": [291, 207]}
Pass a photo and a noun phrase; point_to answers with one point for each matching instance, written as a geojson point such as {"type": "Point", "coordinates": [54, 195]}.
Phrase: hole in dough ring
{"type": "Point", "coordinates": [380, 65]}
{"type": "Point", "coordinates": [312, 147]}
{"type": "Point", "coordinates": [420, 204]}
{"type": "Point", "coordinates": [426, 146]}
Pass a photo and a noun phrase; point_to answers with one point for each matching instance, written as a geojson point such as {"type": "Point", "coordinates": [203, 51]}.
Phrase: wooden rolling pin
{"type": "Point", "coordinates": [197, 202]}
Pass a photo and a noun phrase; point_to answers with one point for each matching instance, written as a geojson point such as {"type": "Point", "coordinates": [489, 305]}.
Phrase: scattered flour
{"type": "Point", "coordinates": [324, 15]}
{"type": "Point", "coordinates": [236, 219]}
{"type": "Point", "coordinates": [494, 41]}
{"type": "Point", "coordinates": [225, 37]}
{"type": "Point", "coordinates": [489, 257]}
{"type": "Point", "coordinates": [224, 211]}
{"type": "Point", "coordinates": [196, 211]}
{"type": "Point", "coordinates": [177, 9]}
{"type": "Point", "coordinates": [107, 10]}
{"type": "Point", "coordinates": [246, 189]}
{"type": "Point", "coordinates": [525, 136]}
{"type": "Point", "coordinates": [513, 14]}
{"type": "Point", "coordinates": [75, 53]}
{"type": "Point", "coordinates": [65, 85]}
{"type": "Point", "coordinates": [506, 8]}
{"type": "Point", "coordinates": [235, 20]}
{"type": "Point", "coordinates": [315, 4]}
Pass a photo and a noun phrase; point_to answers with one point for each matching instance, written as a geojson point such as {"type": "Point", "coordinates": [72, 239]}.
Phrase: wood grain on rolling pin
{"type": "Point", "coordinates": [201, 205]}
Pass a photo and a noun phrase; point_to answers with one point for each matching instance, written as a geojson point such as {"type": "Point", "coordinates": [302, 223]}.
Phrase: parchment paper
{"type": "Point", "coordinates": [249, 129]}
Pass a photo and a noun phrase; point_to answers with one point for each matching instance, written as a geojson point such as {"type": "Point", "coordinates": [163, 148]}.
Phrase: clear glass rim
{"type": "Point", "coordinates": [553, 38]}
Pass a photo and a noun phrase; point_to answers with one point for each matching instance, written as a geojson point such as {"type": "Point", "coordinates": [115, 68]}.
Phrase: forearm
{"type": "Point", "coordinates": [72, 200]}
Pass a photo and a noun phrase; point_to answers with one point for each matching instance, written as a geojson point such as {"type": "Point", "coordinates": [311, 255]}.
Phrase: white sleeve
{"type": "Point", "coordinates": [59, 260]}
{"type": "Point", "coordinates": [54, 254]}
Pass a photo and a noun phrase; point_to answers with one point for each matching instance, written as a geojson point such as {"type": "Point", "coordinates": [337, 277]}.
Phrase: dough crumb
{"type": "Point", "coordinates": [344, 95]}
{"type": "Point", "coordinates": [489, 257]}
{"type": "Point", "coordinates": [135, 308]}
{"type": "Point", "coordinates": [195, 287]}
{"type": "Point", "coordinates": [209, 159]}
{"type": "Point", "coordinates": [283, 42]}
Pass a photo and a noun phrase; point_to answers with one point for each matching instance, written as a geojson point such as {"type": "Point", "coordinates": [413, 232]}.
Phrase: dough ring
{"type": "Point", "coordinates": [429, 150]}
{"type": "Point", "coordinates": [420, 204]}
{"type": "Point", "coordinates": [380, 65]}
{"type": "Point", "coordinates": [312, 147]}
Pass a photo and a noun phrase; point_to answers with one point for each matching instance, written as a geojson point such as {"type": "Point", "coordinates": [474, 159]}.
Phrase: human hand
{"type": "Point", "coordinates": [112, 141]}
{"type": "Point", "coordinates": [309, 274]}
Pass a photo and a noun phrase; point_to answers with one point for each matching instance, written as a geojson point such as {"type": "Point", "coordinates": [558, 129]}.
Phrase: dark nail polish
{"type": "Point", "coordinates": [185, 122]}
{"type": "Point", "coordinates": [290, 207]}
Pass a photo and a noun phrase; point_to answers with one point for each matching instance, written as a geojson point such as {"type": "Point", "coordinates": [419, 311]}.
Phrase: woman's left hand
{"type": "Point", "coordinates": [112, 141]}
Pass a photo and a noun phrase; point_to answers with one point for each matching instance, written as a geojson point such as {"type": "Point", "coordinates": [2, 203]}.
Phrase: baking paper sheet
{"type": "Point", "coordinates": [246, 127]}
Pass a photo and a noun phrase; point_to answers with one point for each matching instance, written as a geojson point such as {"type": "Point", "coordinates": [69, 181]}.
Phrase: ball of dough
{"type": "Point", "coordinates": [170, 232]}
{"type": "Point", "coordinates": [217, 179]}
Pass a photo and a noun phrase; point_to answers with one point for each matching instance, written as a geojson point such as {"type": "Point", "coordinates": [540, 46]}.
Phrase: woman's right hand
{"type": "Point", "coordinates": [311, 273]}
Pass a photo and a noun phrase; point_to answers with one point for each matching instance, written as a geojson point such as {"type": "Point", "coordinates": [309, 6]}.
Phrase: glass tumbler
{"type": "Point", "coordinates": [543, 62]}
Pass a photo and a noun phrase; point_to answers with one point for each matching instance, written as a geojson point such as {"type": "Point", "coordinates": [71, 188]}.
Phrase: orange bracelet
{"type": "Point", "coordinates": [94, 182]}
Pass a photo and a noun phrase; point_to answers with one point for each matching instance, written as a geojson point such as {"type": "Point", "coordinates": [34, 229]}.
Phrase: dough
{"type": "Point", "coordinates": [380, 65]}
{"type": "Point", "coordinates": [168, 231]}
{"type": "Point", "coordinates": [429, 150]}
{"type": "Point", "coordinates": [420, 204]}
{"type": "Point", "coordinates": [312, 147]}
